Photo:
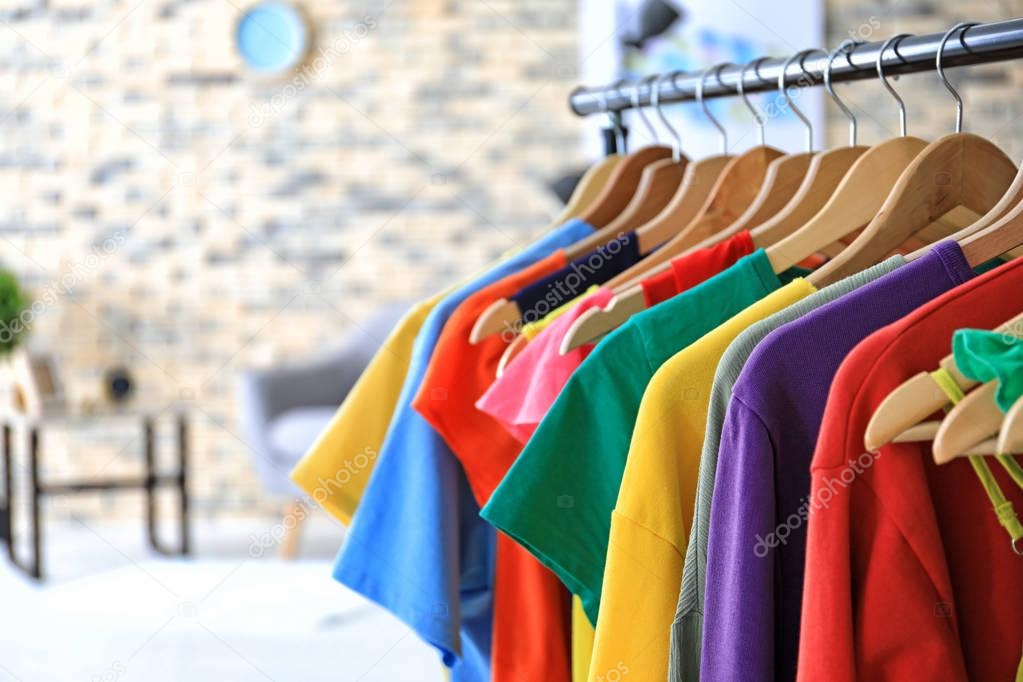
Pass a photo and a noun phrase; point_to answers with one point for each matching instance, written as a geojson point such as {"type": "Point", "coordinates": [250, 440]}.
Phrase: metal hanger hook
{"type": "Point", "coordinates": [759, 120]}
{"type": "Point", "coordinates": [831, 90]}
{"type": "Point", "coordinates": [639, 109]}
{"type": "Point", "coordinates": [964, 26]}
{"type": "Point", "coordinates": [615, 118]}
{"type": "Point", "coordinates": [884, 79]}
{"type": "Point", "coordinates": [655, 100]}
{"type": "Point", "coordinates": [706, 110]}
{"type": "Point", "coordinates": [788, 100]}
{"type": "Point", "coordinates": [601, 97]}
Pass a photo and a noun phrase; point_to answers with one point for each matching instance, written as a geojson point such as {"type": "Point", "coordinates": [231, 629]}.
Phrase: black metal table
{"type": "Point", "coordinates": [150, 482]}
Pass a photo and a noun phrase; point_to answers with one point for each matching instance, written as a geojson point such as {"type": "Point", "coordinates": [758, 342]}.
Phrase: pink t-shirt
{"type": "Point", "coordinates": [520, 398]}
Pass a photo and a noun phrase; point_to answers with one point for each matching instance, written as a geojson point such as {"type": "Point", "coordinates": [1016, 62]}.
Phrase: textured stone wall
{"type": "Point", "coordinates": [240, 240]}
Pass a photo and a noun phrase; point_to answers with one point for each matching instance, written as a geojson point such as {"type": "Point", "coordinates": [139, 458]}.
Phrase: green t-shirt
{"type": "Point", "coordinates": [557, 498]}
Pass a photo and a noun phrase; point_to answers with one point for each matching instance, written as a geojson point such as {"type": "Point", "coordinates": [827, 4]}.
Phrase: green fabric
{"type": "Point", "coordinates": [992, 356]}
{"type": "Point", "coordinates": [1003, 507]}
{"type": "Point", "coordinates": [557, 498]}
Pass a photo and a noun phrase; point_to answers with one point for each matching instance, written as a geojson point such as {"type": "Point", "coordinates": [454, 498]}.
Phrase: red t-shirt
{"type": "Point", "coordinates": [532, 609]}
{"type": "Point", "coordinates": [694, 267]}
{"type": "Point", "coordinates": [909, 575]}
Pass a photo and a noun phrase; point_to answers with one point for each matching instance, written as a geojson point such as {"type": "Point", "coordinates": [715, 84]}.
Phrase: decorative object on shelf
{"type": "Point", "coordinates": [28, 383]}
{"type": "Point", "coordinates": [119, 385]}
{"type": "Point", "coordinates": [272, 38]}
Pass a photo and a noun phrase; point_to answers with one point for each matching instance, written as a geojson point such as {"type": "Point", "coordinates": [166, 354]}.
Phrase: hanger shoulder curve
{"type": "Point", "coordinates": [998, 238]}
{"type": "Point", "coordinates": [500, 315]}
{"type": "Point", "coordinates": [961, 170]}
{"type": "Point", "coordinates": [596, 323]}
{"type": "Point", "coordinates": [693, 193]}
{"type": "Point", "coordinates": [621, 186]}
{"type": "Point", "coordinates": [517, 345]}
{"type": "Point", "coordinates": [731, 194]}
{"type": "Point", "coordinates": [967, 424]}
{"type": "Point", "coordinates": [588, 189]}
{"type": "Point", "coordinates": [903, 410]}
{"type": "Point", "coordinates": [658, 184]}
{"type": "Point", "coordinates": [1010, 437]}
{"type": "Point", "coordinates": [783, 179]}
{"type": "Point", "coordinates": [822, 179]}
{"type": "Point", "coordinates": [854, 203]}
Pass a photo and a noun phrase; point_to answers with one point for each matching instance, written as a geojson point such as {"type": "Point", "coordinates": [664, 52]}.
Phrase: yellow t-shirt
{"type": "Point", "coordinates": [582, 641]}
{"type": "Point", "coordinates": [651, 520]}
{"type": "Point", "coordinates": [360, 425]}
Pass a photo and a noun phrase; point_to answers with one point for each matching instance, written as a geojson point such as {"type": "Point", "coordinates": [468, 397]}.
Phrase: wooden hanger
{"type": "Point", "coordinates": [899, 417]}
{"type": "Point", "coordinates": [1013, 196]}
{"type": "Point", "coordinates": [738, 197]}
{"type": "Point", "coordinates": [619, 189]}
{"type": "Point", "coordinates": [695, 189]}
{"type": "Point", "coordinates": [781, 181]}
{"type": "Point", "coordinates": [828, 168]}
{"type": "Point", "coordinates": [736, 189]}
{"type": "Point", "coordinates": [1003, 236]}
{"type": "Point", "coordinates": [659, 181]}
{"type": "Point", "coordinates": [823, 176]}
{"type": "Point", "coordinates": [858, 197]}
{"type": "Point", "coordinates": [631, 192]}
{"type": "Point", "coordinates": [589, 187]}
{"type": "Point", "coordinates": [968, 424]}
{"type": "Point", "coordinates": [978, 175]}
{"type": "Point", "coordinates": [1010, 439]}
{"type": "Point", "coordinates": [957, 171]}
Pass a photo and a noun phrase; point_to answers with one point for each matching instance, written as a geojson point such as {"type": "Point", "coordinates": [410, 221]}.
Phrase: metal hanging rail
{"type": "Point", "coordinates": [980, 44]}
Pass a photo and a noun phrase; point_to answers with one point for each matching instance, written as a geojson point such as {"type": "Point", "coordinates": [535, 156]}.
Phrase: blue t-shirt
{"type": "Point", "coordinates": [417, 545]}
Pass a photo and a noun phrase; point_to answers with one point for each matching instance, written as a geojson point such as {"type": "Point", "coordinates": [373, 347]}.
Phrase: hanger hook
{"type": "Point", "coordinates": [615, 118]}
{"type": "Point", "coordinates": [639, 109]}
{"type": "Point", "coordinates": [884, 79]}
{"type": "Point", "coordinates": [831, 90]}
{"type": "Point", "coordinates": [964, 26]}
{"type": "Point", "coordinates": [706, 110]}
{"type": "Point", "coordinates": [788, 100]}
{"type": "Point", "coordinates": [741, 88]}
{"type": "Point", "coordinates": [655, 100]}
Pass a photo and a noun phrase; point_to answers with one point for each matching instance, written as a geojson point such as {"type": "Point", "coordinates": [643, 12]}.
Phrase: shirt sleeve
{"type": "Point", "coordinates": [412, 552]}
{"type": "Point", "coordinates": [557, 498]}
{"type": "Point", "coordinates": [738, 628]}
{"type": "Point", "coordinates": [360, 425]}
{"type": "Point", "coordinates": [641, 582]}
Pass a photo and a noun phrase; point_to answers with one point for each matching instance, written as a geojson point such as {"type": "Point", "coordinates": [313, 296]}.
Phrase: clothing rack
{"type": "Point", "coordinates": [979, 44]}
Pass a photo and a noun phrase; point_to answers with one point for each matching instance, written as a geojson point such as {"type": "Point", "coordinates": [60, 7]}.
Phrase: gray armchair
{"type": "Point", "coordinates": [284, 409]}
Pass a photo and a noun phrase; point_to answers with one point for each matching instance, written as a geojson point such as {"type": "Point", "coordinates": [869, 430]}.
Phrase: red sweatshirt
{"type": "Point", "coordinates": [909, 576]}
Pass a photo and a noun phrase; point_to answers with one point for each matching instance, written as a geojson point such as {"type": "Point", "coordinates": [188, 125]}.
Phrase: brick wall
{"type": "Point", "coordinates": [422, 153]}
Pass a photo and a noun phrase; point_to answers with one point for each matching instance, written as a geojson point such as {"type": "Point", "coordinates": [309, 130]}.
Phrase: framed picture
{"type": "Point", "coordinates": [632, 39]}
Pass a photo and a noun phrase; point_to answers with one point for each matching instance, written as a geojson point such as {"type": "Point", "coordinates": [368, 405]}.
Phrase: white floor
{"type": "Point", "coordinates": [203, 620]}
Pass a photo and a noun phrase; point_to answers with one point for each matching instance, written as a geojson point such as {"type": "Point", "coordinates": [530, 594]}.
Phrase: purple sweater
{"type": "Point", "coordinates": [759, 511]}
